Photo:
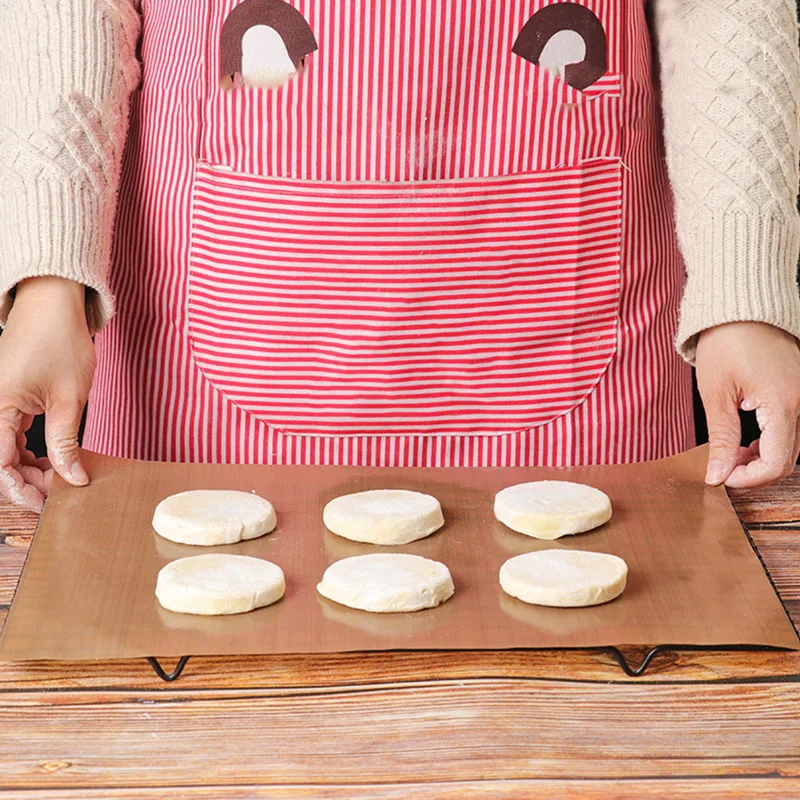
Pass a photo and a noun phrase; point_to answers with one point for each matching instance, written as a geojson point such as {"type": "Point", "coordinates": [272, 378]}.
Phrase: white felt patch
{"type": "Point", "coordinates": [265, 59]}
{"type": "Point", "coordinates": [562, 48]}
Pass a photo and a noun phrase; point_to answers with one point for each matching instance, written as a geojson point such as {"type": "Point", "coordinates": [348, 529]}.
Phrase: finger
{"type": "Point", "coordinates": [24, 426]}
{"type": "Point", "coordinates": [724, 437]}
{"type": "Point", "coordinates": [14, 487]}
{"type": "Point", "coordinates": [41, 463]}
{"type": "Point", "coordinates": [44, 468]}
{"type": "Point", "coordinates": [33, 476]}
{"type": "Point", "coordinates": [776, 454]}
{"type": "Point", "coordinates": [23, 488]}
{"type": "Point", "coordinates": [747, 454]}
{"type": "Point", "coordinates": [11, 419]}
{"type": "Point", "coordinates": [37, 471]}
{"type": "Point", "coordinates": [26, 455]}
{"type": "Point", "coordinates": [61, 424]}
{"type": "Point", "coordinates": [29, 458]}
{"type": "Point", "coordinates": [48, 473]}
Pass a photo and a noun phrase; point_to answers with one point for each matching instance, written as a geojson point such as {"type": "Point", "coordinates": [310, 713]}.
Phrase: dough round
{"type": "Point", "coordinates": [213, 516]}
{"type": "Point", "coordinates": [550, 509]}
{"type": "Point", "coordinates": [383, 516]}
{"type": "Point", "coordinates": [565, 578]}
{"type": "Point", "coordinates": [218, 583]}
{"type": "Point", "coordinates": [387, 582]}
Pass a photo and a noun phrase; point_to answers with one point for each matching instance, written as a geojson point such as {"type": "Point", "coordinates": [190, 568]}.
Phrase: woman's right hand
{"type": "Point", "coordinates": [47, 365]}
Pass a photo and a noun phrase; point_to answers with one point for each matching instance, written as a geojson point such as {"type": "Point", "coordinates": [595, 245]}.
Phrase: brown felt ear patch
{"type": "Point", "coordinates": [557, 19]}
{"type": "Point", "coordinates": [278, 15]}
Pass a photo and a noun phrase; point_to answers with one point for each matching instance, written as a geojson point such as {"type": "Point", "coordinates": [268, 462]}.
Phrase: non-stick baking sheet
{"type": "Point", "coordinates": [87, 588]}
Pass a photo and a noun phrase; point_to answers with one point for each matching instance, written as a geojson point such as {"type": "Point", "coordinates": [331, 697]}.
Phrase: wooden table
{"type": "Point", "coordinates": [410, 726]}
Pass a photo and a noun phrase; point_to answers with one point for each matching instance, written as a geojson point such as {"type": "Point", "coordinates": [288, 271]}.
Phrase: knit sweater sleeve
{"type": "Point", "coordinates": [730, 75]}
{"type": "Point", "coordinates": [68, 68]}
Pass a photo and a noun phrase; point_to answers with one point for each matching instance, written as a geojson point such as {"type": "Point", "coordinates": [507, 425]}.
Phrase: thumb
{"type": "Point", "coordinates": [61, 424]}
{"type": "Point", "coordinates": [724, 437]}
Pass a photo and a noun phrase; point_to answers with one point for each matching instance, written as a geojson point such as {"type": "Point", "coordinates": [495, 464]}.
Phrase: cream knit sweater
{"type": "Point", "coordinates": [730, 74]}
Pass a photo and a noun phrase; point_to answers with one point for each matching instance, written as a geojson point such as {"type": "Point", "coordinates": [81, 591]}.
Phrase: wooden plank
{"type": "Point", "coordinates": [337, 669]}
{"type": "Point", "coordinates": [496, 730]}
{"type": "Point", "coordinates": [11, 562]}
{"type": "Point", "coordinates": [773, 788]}
{"type": "Point", "coordinates": [492, 729]}
{"type": "Point", "coordinates": [776, 504]}
{"type": "Point", "coordinates": [780, 552]}
{"type": "Point", "coordinates": [22, 540]}
{"type": "Point", "coordinates": [14, 520]}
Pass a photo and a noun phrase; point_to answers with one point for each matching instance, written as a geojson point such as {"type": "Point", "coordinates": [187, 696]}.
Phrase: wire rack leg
{"type": "Point", "coordinates": [168, 676]}
{"type": "Point", "coordinates": [638, 671]}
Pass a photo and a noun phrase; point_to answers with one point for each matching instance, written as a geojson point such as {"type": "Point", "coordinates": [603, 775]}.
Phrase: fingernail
{"type": "Point", "coordinates": [78, 476]}
{"type": "Point", "coordinates": [715, 473]}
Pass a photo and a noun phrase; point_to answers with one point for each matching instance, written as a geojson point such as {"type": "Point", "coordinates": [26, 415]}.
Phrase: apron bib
{"type": "Point", "coordinates": [447, 240]}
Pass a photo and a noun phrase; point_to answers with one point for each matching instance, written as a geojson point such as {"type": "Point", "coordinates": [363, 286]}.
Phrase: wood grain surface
{"type": "Point", "coordinates": [557, 724]}
{"type": "Point", "coordinates": [715, 789]}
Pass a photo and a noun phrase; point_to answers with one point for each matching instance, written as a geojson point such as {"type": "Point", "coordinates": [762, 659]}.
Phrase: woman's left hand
{"type": "Point", "coordinates": [755, 367]}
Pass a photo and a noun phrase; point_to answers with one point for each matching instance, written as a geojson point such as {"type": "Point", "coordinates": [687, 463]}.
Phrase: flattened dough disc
{"type": "Point", "coordinates": [383, 516]}
{"type": "Point", "coordinates": [550, 509]}
{"type": "Point", "coordinates": [387, 582]}
{"type": "Point", "coordinates": [565, 578]}
{"type": "Point", "coordinates": [213, 516]}
{"type": "Point", "coordinates": [219, 583]}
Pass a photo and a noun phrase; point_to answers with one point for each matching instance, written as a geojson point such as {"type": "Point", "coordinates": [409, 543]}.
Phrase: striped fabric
{"type": "Point", "coordinates": [407, 255]}
{"type": "Point", "coordinates": [408, 91]}
{"type": "Point", "coordinates": [407, 308]}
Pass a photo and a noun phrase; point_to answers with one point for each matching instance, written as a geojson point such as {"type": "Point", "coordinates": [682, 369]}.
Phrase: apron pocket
{"type": "Point", "coordinates": [476, 306]}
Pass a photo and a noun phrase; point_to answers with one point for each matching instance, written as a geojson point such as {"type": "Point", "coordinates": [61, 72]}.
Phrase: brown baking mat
{"type": "Point", "coordinates": [87, 588]}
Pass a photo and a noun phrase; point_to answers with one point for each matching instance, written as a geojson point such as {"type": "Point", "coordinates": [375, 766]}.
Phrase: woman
{"type": "Point", "coordinates": [429, 233]}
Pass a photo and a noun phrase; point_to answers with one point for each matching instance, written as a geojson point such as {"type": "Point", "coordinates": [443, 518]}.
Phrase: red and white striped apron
{"type": "Point", "coordinates": [428, 248]}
